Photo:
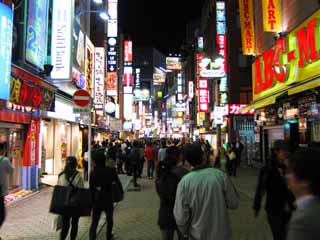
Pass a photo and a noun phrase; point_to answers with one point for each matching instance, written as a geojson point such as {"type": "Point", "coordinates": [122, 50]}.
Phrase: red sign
{"type": "Point", "coordinates": [128, 51]}
{"type": "Point", "coordinates": [221, 45]}
{"type": "Point", "coordinates": [234, 109]}
{"type": "Point", "coordinates": [81, 98]}
{"type": "Point", "coordinates": [203, 95]}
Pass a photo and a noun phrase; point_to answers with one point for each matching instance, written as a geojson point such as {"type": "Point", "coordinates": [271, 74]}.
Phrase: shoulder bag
{"type": "Point", "coordinates": [117, 195]}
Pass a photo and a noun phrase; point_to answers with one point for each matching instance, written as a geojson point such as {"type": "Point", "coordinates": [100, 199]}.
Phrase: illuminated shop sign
{"type": "Point", "coordinates": [127, 70]}
{"type": "Point", "coordinates": [190, 88]}
{"type": "Point", "coordinates": [293, 59]}
{"type": "Point", "coordinates": [79, 47]}
{"type": "Point", "coordinates": [128, 51]}
{"type": "Point", "coordinates": [78, 78]}
{"type": "Point", "coordinates": [179, 80]}
{"type": "Point", "coordinates": [203, 95]}
{"type": "Point", "coordinates": [112, 54]}
{"type": "Point", "coordinates": [234, 109]}
{"type": "Point", "coordinates": [271, 15]}
{"type": "Point", "coordinates": [111, 83]}
{"type": "Point", "coordinates": [159, 76]}
{"type": "Point", "coordinates": [141, 95]}
{"type": "Point", "coordinates": [89, 66]}
{"type": "Point", "coordinates": [247, 26]}
{"type": "Point", "coordinates": [173, 63]}
{"type": "Point", "coordinates": [99, 78]}
{"type": "Point", "coordinates": [127, 105]}
{"type": "Point", "coordinates": [36, 42]}
{"type": "Point", "coordinates": [137, 83]}
{"type": "Point", "coordinates": [6, 48]}
{"type": "Point", "coordinates": [61, 39]}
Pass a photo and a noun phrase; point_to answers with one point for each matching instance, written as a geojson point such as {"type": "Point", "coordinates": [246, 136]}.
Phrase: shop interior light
{"type": "Point", "coordinates": [104, 16]}
{"type": "Point", "coordinates": [98, 1]}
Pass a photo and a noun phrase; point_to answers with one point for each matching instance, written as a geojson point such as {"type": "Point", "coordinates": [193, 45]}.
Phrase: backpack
{"type": "Point", "coordinates": [134, 156]}
{"type": "Point", "coordinates": [166, 185]}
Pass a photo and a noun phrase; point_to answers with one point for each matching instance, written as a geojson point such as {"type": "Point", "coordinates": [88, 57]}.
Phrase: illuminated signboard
{"type": "Point", "coordinates": [141, 94]}
{"type": "Point", "coordinates": [127, 105]}
{"type": "Point", "coordinates": [99, 78]}
{"type": "Point", "coordinates": [89, 66]}
{"type": "Point", "coordinates": [6, 48]}
{"type": "Point", "coordinates": [190, 88]}
{"type": "Point", "coordinates": [110, 84]}
{"type": "Point", "coordinates": [294, 58]}
{"type": "Point", "coordinates": [271, 15]}
{"type": "Point", "coordinates": [173, 63]}
{"type": "Point", "coordinates": [247, 26]}
{"type": "Point", "coordinates": [203, 95]}
{"type": "Point", "coordinates": [61, 39]}
{"type": "Point", "coordinates": [113, 9]}
{"type": "Point", "coordinates": [128, 51]}
{"type": "Point", "coordinates": [112, 54]}
{"type": "Point", "coordinates": [78, 49]}
{"type": "Point", "coordinates": [234, 109]}
{"type": "Point", "coordinates": [159, 76]}
{"type": "Point", "coordinates": [127, 70]}
{"type": "Point", "coordinates": [179, 81]}
{"type": "Point", "coordinates": [36, 41]}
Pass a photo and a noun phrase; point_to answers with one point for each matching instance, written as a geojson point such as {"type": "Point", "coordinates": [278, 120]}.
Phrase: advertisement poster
{"type": "Point", "coordinates": [99, 78]}
{"type": "Point", "coordinates": [36, 41]}
{"type": "Point", "coordinates": [110, 84]}
{"type": "Point", "coordinates": [5, 53]}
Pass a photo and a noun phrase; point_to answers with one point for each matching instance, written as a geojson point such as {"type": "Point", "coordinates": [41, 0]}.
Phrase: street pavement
{"type": "Point", "coordinates": [135, 218]}
{"type": "Point", "coordinates": [29, 218]}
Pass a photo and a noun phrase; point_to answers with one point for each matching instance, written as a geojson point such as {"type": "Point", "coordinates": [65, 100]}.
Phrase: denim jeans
{"type": "Point", "coordinates": [150, 168]}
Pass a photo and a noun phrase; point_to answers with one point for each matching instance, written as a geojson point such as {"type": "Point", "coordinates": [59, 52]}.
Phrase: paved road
{"type": "Point", "coordinates": [136, 216]}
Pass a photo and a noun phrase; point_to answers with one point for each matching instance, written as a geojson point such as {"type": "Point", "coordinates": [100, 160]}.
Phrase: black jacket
{"type": "Point", "coordinates": [101, 179]}
{"type": "Point", "coordinates": [166, 186]}
{"type": "Point", "coordinates": [280, 199]}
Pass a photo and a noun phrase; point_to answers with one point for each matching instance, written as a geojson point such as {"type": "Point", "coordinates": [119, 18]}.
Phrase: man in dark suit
{"type": "Point", "coordinates": [304, 182]}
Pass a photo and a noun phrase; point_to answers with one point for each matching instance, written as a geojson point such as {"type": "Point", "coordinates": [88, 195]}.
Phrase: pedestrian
{"type": "Point", "coordinates": [85, 162]}
{"type": "Point", "coordinates": [162, 151]}
{"type": "Point", "coordinates": [279, 200]}
{"type": "Point", "coordinates": [168, 176]}
{"type": "Point", "coordinates": [101, 179]}
{"type": "Point", "coordinates": [203, 198]}
{"type": "Point", "coordinates": [150, 156]}
{"type": "Point", "coordinates": [5, 170]}
{"type": "Point", "coordinates": [142, 159]}
{"type": "Point", "coordinates": [134, 160]}
{"type": "Point", "coordinates": [231, 161]}
{"type": "Point", "coordinates": [304, 181]}
{"type": "Point", "coordinates": [238, 148]}
{"type": "Point", "coordinates": [68, 176]}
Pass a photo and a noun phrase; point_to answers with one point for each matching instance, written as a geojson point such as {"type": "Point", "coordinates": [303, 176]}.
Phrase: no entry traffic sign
{"type": "Point", "coordinates": [81, 98]}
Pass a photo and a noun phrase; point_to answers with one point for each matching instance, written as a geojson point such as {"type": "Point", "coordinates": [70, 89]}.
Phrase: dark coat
{"type": "Point", "coordinates": [101, 179]}
{"type": "Point", "coordinates": [166, 190]}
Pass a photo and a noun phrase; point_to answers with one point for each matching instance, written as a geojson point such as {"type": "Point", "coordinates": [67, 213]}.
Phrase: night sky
{"type": "Point", "coordinates": [158, 23]}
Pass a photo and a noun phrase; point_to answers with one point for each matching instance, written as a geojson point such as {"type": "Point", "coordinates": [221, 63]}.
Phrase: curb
{"type": "Point", "coordinates": [99, 230]}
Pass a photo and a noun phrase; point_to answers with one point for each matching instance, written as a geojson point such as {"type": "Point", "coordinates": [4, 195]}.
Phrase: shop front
{"type": "Point", "coordinates": [60, 138]}
{"type": "Point", "coordinates": [286, 86]}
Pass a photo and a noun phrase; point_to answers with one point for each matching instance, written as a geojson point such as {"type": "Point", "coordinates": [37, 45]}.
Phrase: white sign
{"type": "Point", "coordinates": [77, 109]}
{"type": "Point", "coordinates": [190, 88]}
{"type": "Point", "coordinates": [99, 78]}
{"type": "Point", "coordinates": [128, 101]}
{"type": "Point", "coordinates": [212, 73]}
{"type": "Point", "coordinates": [112, 28]}
{"type": "Point", "coordinates": [218, 114]}
{"type": "Point", "coordinates": [61, 39]}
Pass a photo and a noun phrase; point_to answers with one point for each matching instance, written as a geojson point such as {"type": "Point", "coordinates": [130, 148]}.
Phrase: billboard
{"type": "Point", "coordinates": [61, 39]}
{"type": "Point", "coordinates": [173, 63]}
{"type": "Point", "coordinates": [110, 84]}
{"type": "Point", "coordinates": [159, 76]}
{"type": "Point", "coordinates": [247, 26]}
{"type": "Point", "coordinates": [36, 39]}
{"type": "Point", "coordinates": [78, 49]}
{"type": "Point", "coordinates": [6, 25]}
{"type": "Point", "coordinates": [203, 95]}
{"type": "Point", "coordinates": [89, 66]}
{"type": "Point", "coordinates": [99, 78]}
{"type": "Point", "coordinates": [271, 16]}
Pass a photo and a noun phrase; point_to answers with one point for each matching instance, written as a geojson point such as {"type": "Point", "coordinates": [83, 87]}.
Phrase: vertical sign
{"type": "Point", "coordinates": [89, 66]}
{"type": "Point", "coordinates": [247, 27]}
{"type": "Point", "coordinates": [36, 41]}
{"type": "Point", "coordinates": [61, 39]}
{"type": "Point", "coordinates": [127, 71]}
{"type": "Point", "coordinates": [271, 15]}
{"type": "Point", "coordinates": [99, 78]}
{"type": "Point", "coordinates": [221, 33]}
{"type": "Point", "coordinates": [190, 88]}
{"type": "Point", "coordinates": [203, 98]}
{"type": "Point", "coordinates": [5, 49]}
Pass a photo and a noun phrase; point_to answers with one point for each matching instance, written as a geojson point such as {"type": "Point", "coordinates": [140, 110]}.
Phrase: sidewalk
{"type": "Point", "coordinates": [246, 180]}
{"type": "Point", "coordinates": [29, 219]}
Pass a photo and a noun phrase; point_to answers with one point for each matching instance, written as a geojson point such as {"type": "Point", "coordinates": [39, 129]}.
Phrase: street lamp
{"type": "Point", "coordinates": [103, 14]}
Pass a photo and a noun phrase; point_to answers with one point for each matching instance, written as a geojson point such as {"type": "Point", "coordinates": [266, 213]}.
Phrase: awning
{"type": "Point", "coordinates": [304, 86]}
{"type": "Point", "coordinates": [260, 103]}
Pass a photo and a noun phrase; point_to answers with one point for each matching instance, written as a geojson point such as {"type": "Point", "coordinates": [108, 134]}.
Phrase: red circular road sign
{"type": "Point", "coordinates": [81, 98]}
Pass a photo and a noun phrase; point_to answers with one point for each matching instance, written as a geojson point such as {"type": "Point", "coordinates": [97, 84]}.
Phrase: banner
{"type": "Point", "coordinates": [247, 26]}
{"type": "Point", "coordinates": [99, 78]}
{"type": "Point", "coordinates": [271, 15]}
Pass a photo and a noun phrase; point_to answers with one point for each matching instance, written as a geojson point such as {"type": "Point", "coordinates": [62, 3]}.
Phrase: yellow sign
{"type": "Point", "coordinates": [294, 60]}
{"type": "Point", "coordinates": [271, 15]}
{"type": "Point", "coordinates": [247, 26]}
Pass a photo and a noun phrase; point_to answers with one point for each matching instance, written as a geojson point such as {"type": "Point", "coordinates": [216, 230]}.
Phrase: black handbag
{"type": "Point", "coordinates": [117, 194]}
{"type": "Point", "coordinates": [71, 201]}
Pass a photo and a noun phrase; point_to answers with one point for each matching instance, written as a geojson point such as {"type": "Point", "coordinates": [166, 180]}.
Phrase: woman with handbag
{"type": "Point", "coordinates": [68, 176]}
{"type": "Point", "coordinates": [102, 179]}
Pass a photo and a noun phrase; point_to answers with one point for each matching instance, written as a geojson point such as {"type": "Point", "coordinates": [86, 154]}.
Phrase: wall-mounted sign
{"type": "Point", "coordinates": [127, 70]}
{"type": "Point", "coordinates": [180, 107]}
{"type": "Point", "coordinates": [203, 95]}
{"type": "Point", "coordinates": [173, 63]}
{"type": "Point", "coordinates": [78, 78]}
{"type": "Point", "coordinates": [271, 15]}
{"type": "Point", "coordinates": [61, 39]}
{"type": "Point", "coordinates": [191, 90]}
{"type": "Point", "coordinates": [111, 84]}
{"type": "Point", "coordinates": [212, 73]}
{"type": "Point", "coordinates": [294, 58]}
{"type": "Point", "coordinates": [219, 112]}
{"type": "Point", "coordinates": [127, 101]}
{"type": "Point", "coordinates": [128, 51]}
{"type": "Point", "coordinates": [234, 109]}
{"type": "Point", "coordinates": [36, 40]}
{"type": "Point", "coordinates": [99, 78]}
{"type": "Point", "coordinates": [112, 54]}
{"type": "Point", "coordinates": [110, 107]}
{"type": "Point", "coordinates": [159, 76]}
{"type": "Point", "coordinates": [89, 66]}
{"type": "Point", "coordinates": [141, 94]}
{"type": "Point", "coordinates": [247, 27]}
{"type": "Point", "coordinates": [6, 48]}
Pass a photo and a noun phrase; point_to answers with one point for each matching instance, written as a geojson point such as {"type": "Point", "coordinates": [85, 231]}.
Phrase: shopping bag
{"type": "Point", "coordinates": [57, 222]}
{"type": "Point", "coordinates": [117, 194]}
{"type": "Point", "coordinates": [71, 201]}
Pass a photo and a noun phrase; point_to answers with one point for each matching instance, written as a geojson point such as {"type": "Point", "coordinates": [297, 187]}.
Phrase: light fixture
{"type": "Point", "coordinates": [98, 1]}
{"type": "Point", "coordinates": [104, 16]}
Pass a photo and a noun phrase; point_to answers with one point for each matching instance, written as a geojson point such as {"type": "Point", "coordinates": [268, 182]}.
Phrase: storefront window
{"type": "Point", "coordinates": [315, 132]}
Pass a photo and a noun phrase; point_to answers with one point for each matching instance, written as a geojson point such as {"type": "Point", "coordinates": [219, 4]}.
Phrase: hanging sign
{"type": "Point", "coordinates": [247, 26]}
{"type": "Point", "coordinates": [271, 15]}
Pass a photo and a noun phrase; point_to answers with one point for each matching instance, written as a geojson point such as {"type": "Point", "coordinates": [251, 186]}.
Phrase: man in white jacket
{"type": "Point", "coordinates": [203, 198]}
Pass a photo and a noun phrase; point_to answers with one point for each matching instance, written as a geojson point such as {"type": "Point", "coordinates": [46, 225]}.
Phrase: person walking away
{"type": "Point", "coordinates": [70, 176]}
{"type": "Point", "coordinates": [279, 200]}
{"type": "Point", "coordinates": [238, 148]}
{"type": "Point", "coordinates": [150, 156]}
{"type": "Point", "coordinates": [203, 199]}
{"type": "Point", "coordinates": [304, 181]}
{"type": "Point", "coordinates": [5, 170]}
{"type": "Point", "coordinates": [134, 160]}
{"type": "Point", "coordinates": [231, 161]}
{"type": "Point", "coordinates": [162, 151]}
{"type": "Point", "coordinates": [168, 176]}
{"type": "Point", "coordinates": [101, 179]}
{"type": "Point", "coordinates": [142, 159]}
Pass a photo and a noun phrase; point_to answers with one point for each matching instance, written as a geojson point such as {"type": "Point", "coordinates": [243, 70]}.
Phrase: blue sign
{"type": "Point", "coordinates": [6, 25]}
{"type": "Point", "coordinates": [36, 44]}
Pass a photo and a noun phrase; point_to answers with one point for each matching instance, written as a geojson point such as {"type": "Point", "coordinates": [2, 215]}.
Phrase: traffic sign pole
{"type": "Point", "coordinates": [89, 143]}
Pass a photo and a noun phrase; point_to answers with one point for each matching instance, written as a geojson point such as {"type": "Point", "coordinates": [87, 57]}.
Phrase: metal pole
{"type": "Point", "coordinates": [89, 143]}
{"type": "Point", "coordinates": [217, 100]}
